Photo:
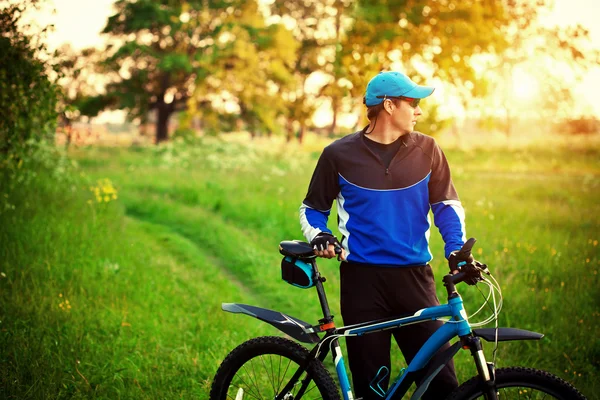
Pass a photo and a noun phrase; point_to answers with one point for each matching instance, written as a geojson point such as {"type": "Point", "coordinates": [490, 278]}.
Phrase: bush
{"type": "Point", "coordinates": [30, 165]}
{"type": "Point", "coordinates": [580, 126]}
{"type": "Point", "coordinates": [27, 97]}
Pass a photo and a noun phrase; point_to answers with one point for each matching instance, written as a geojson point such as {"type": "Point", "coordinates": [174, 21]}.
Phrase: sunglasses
{"type": "Point", "coordinates": [412, 102]}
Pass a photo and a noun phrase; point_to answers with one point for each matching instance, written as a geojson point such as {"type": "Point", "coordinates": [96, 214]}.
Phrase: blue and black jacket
{"type": "Point", "coordinates": [383, 212]}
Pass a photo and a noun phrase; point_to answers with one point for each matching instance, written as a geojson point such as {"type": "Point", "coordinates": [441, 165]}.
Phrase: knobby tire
{"type": "Point", "coordinates": [259, 368]}
{"type": "Point", "coordinates": [520, 383]}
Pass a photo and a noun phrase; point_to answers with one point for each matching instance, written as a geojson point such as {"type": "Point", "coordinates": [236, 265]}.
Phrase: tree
{"type": "Point", "coordinates": [434, 39]}
{"type": "Point", "coordinates": [27, 96]}
{"type": "Point", "coordinates": [155, 63]}
{"type": "Point", "coordinates": [81, 86]}
{"type": "Point", "coordinates": [309, 22]}
{"type": "Point", "coordinates": [173, 54]}
{"type": "Point", "coordinates": [356, 39]}
{"type": "Point", "coordinates": [254, 65]}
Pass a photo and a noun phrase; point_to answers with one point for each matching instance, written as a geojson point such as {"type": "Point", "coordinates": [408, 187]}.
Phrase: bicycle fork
{"type": "Point", "coordinates": [486, 370]}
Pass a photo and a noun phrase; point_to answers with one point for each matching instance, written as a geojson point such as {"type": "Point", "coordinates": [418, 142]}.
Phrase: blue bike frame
{"type": "Point", "coordinates": [458, 326]}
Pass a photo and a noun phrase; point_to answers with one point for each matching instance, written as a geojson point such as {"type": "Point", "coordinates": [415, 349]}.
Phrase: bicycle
{"type": "Point", "coordinates": [289, 371]}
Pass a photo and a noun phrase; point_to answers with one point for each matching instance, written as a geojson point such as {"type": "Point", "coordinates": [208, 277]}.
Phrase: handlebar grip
{"type": "Point", "coordinates": [337, 248]}
{"type": "Point", "coordinates": [458, 278]}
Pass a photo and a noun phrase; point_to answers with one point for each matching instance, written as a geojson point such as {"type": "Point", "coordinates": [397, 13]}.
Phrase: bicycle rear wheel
{"type": "Point", "coordinates": [260, 368]}
{"type": "Point", "coordinates": [520, 383]}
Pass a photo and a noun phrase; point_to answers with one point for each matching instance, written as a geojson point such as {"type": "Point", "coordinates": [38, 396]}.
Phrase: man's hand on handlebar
{"type": "Point", "coordinates": [462, 261]}
{"type": "Point", "coordinates": [327, 246]}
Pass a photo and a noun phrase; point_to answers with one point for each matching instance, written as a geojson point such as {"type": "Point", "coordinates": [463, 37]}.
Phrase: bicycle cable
{"type": "Point", "coordinates": [495, 310]}
{"type": "Point", "coordinates": [496, 324]}
{"type": "Point", "coordinates": [492, 283]}
{"type": "Point", "coordinates": [497, 305]}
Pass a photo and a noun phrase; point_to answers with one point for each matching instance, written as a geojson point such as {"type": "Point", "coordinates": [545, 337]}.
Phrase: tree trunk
{"type": "Point", "coordinates": [301, 133]}
{"type": "Point", "coordinates": [507, 126]}
{"type": "Point", "coordinates": [68, 129]}
{"type": "Point", "coordinates": [162, 121]}
{"type": "Point", "coordinates": [290, 131]}
{"type": "Point", "coordinates": [163, 111]}
{"type": "Point", "coordinates": [334, 106]}
{"type": "Point", "coordinates": [336, 99]}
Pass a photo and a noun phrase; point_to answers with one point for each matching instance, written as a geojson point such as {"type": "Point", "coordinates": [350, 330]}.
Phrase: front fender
{"type": "Point", "coordinates": [506, 334]}
{"type": "Point", "coordinates": [291, 326]}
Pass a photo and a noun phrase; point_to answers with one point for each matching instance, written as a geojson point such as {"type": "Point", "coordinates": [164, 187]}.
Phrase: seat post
{"type": "Point", "coordinates": [327, 317]}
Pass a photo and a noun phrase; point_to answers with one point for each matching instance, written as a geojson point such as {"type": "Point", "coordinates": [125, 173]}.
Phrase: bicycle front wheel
{"type": "Point", "coordinates": [520, 383]}
{"type": "Point", "coordinates": [260, 368]}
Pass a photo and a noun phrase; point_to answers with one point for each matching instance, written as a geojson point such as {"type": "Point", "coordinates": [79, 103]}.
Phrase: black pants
{"type": "Point", "coordinates": [370, 293]}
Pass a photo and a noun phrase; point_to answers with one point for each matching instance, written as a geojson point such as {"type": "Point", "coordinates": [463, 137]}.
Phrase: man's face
{"type": "Point", "coordinates": [404, 115]}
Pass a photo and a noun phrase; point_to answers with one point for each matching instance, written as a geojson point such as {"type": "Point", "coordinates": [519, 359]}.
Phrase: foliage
{"type": "Point", "coordinates": [79, 83]}
{"type": "Point", "coordinates": [27, 97]}
{"type": "Point", "coordinates": [254, 64]}
{"type": "Point", "coordinates": [174, 56]}
{"type": "Point", "coordinates": [316, 54]}
{"type": "Point", "coordinates": [431, 123]}
{"type": "Point", "coordinates": [247, 65]}
{"type": "Point", "coordinates": [351, 41]}
{"type": "Point", "coordinates": [547, 61]}
{"type": "Point", "coordinates": [428, 39]}
{"type": "Point", "coordinates": [19, 169]}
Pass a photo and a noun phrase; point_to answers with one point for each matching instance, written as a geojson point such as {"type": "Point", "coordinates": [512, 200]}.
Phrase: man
{"type": "Point", "coordinates": [385, 179]}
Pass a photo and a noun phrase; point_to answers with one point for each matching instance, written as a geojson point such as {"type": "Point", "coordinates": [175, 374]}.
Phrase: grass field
{"type": "Point", "coordinates": [111, 282]}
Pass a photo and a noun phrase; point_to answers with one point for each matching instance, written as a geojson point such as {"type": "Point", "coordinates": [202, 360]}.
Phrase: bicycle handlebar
{"type": "Point", "coordinates": [470, 271]}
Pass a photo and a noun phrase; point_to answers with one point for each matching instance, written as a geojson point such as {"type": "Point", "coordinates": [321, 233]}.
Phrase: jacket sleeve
{"type": "Point", "coordinates": [322, 191]}
{"type": "Point", "coordinates": [448, 213]}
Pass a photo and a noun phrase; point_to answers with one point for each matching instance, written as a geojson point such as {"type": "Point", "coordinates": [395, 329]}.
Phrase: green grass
{"type": "Point", "coordinates": [195, 226]}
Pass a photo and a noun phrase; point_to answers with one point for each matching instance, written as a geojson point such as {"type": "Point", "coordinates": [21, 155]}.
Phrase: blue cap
{"type": "Point", "coordinates": [393, 84]}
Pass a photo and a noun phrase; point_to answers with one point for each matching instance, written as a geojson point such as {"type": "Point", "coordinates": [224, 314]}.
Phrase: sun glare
{"type": "Point", "coordinates": [524, 85]}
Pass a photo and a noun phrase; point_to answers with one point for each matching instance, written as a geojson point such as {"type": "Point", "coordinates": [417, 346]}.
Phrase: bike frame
{"type": "Point", "coordinates": [457, 326]}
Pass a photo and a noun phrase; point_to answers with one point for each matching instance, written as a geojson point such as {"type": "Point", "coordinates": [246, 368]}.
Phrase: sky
{"type": "Point", "coordinates": [79, 22]}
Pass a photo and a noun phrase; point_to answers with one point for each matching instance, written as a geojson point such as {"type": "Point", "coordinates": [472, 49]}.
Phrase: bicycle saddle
{"type": "Point", "coordinates": [296, 249]}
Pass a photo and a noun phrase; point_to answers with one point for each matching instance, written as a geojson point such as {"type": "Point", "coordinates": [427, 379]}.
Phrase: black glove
{"type": "Point", "coordinates": [467, 264]}
{"type": "Point", "coordinates": [457, 259]}
{"type": "Point", "coordinates": [323, 240]}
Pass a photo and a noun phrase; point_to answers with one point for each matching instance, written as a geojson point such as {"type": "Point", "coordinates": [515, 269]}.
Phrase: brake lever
{"type": "Point", "coordinates": [482, 267]}
{"type": "Point", "coordinates": [465, 251]}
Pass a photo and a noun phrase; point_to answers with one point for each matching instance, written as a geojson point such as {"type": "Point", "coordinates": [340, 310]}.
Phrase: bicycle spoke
{"type": "Point", "coordinates": [281, 376]}
{"type": "Point", "coordinates": [256, 379]}
{"type": "Point", "coordinates": [255, 385]}
{"type": "Point", "coordinates": [246, 392]}
{"type": "Point", "coordinates": [268, 377]}
{"type": "Point", "coordinates": [265, 376]}
{"type": "Point", "coordinates": [262, 368]}
{"type": "Point", "coordinates": [273, 372]}
{"type": "Point", "coordinates": [275, 377]}
{"type": "Point", "coordinates": [285, 372]}
{"type": "Point", "coordinates": [278, 379]}
{"type": "Point", "coordinates": [312, 388]}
